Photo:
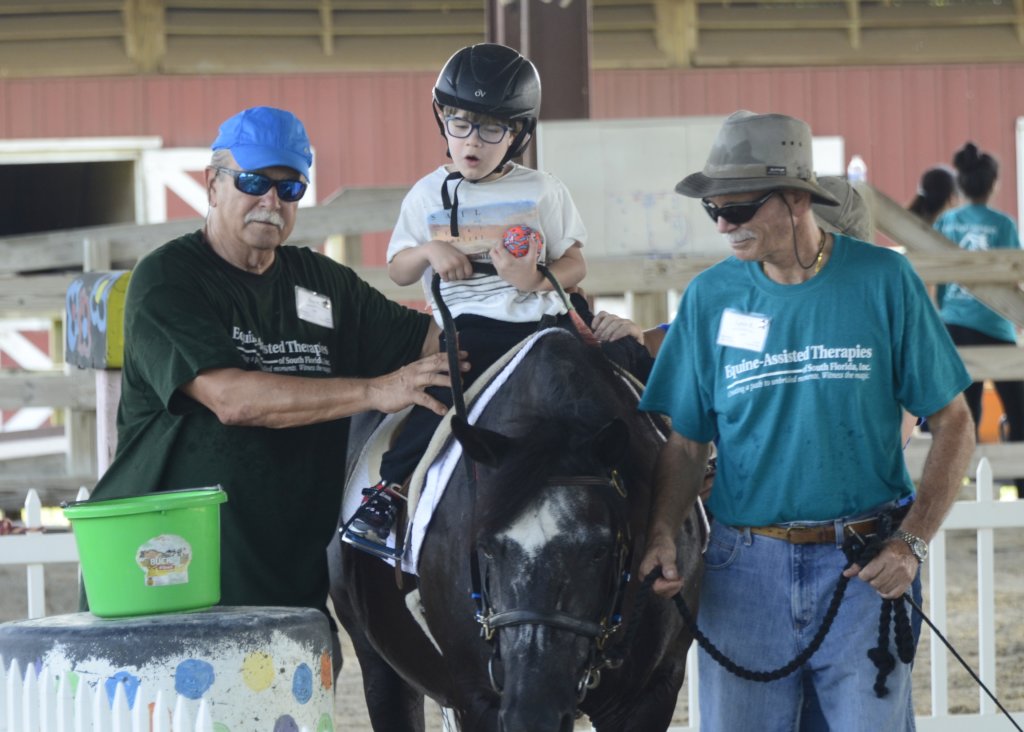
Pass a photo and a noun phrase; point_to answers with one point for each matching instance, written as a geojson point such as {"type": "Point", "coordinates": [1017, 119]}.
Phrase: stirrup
{"type": "Point", "coordinates": [371, 547]}
{"type": "Point", "coordinates": [373, 540]}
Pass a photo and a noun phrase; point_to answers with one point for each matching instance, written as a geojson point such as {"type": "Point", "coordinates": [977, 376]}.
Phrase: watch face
{"type": "Point", "coordinates": [917, 545]}
{"type": "Point", "coordinates": [920, 549]}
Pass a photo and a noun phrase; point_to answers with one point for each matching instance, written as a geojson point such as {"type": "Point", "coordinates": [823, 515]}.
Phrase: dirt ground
{"type": "Point", "coordinates": [961, 630]}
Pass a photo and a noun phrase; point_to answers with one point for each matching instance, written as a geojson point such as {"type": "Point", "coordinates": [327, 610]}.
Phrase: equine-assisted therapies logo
{"type": "Point", "coordinates": [283, 356]}
{"type": "Point", "coordinates": [815, 362]}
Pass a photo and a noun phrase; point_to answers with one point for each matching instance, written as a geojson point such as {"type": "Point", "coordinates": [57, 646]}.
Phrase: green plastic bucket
{"type": "Point", "coordinates": [155, 553]}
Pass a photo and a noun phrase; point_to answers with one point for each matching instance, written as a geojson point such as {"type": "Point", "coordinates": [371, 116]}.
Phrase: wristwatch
{"type": "Point", "coordinates": [917, 545]}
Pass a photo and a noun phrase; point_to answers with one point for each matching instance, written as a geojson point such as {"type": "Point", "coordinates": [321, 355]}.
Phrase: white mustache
{"type": "Point", "coordinates": [262, 216]}
{"type": "Point", "coordinates": [735, 237]}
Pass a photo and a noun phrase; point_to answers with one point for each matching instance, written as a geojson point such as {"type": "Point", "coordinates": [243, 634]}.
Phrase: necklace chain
{"type": "Point", "coordinates": [821, 251]}
{"type": "Point", "coordinates": [817, 260]}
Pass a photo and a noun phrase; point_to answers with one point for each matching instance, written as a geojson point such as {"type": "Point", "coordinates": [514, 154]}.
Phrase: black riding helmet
{"type": "Point", "coordinates": [493, 80]}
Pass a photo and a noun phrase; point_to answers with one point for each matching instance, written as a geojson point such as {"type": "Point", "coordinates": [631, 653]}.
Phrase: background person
{"type": "Point", "coordinates": [798, 353]}
{"type": "Point", "coordinates": [243, 358]}
{"type": "Point", "coordinates": [936, 193]}
{"type": "Point", "coordinates": [978, 227]}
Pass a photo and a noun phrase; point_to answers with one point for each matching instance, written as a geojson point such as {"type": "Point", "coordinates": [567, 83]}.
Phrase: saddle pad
{"type": "Point", "coordinates": [442, 455]}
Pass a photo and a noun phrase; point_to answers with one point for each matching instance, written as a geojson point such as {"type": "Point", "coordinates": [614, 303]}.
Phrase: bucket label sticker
{"type": "Point", "coordinates": [165, 560]}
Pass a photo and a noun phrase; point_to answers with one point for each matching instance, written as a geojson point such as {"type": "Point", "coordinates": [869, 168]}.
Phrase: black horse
{"type": "Point", "coordinates": [513, 620]}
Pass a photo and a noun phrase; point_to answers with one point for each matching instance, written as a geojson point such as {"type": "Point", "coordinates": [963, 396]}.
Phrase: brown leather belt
{"type": "Point", "coordinates": [819, 534]}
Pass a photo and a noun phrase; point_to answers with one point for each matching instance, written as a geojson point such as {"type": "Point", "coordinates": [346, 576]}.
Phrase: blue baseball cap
{"type": "Point", "coordinates": [265, 137]}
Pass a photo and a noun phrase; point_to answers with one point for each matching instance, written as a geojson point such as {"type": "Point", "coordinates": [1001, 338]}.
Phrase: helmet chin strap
{"type": "Point", "coordinates": [452, 202]}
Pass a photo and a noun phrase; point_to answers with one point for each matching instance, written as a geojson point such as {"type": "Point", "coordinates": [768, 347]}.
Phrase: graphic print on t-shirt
{"type": "Point", "coordinates": [286, 356]}
{"type": "Point", "coordinates": [481, 228]}
{"type": "Point", "coordinates": [974, 238]}
{"type": "Point", "coordinates": [815, 362]}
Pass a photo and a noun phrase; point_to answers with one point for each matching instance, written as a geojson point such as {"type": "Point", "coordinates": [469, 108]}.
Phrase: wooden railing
{"type": "Point", "coordinates": [992, 276]}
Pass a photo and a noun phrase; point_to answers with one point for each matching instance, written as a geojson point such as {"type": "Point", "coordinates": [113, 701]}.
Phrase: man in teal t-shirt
{"type": "Point", "coordinates": [797, 356]}
{"type": "Point", "coordinates": [244, 359]}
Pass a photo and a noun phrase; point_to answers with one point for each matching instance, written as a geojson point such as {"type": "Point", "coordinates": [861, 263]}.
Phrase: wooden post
{"type": "Point", "coordinates": [677, 31]}
{"type": "Point", "coordinates": [347, 250]}
{"type": "Point", "coordinates": [145, 35]}
{"type": "Point", "coordinates": [555, 36]}
{"type": "Point", "coordinates": [648, 308]}
{"type": "Point", "coordinates": [853, 10]}
{"type": "Point", "coordinates": [108, 396]}
{"type": "Point", "coordinates": [34, 572]}
{"type": "Point", "coordinates": [80, 426]}
{"type": "Point", "coordinates": [327, 27]}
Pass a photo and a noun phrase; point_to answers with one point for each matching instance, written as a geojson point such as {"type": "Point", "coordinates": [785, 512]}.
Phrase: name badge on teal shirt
{"type": "Point", "coordinates": [748, 331]}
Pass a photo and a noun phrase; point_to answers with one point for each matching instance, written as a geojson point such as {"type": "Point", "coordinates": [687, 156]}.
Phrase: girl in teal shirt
{"type": "Point", "coordinates": [975, 227]}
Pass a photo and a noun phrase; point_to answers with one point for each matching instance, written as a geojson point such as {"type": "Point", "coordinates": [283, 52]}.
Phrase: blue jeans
{"type": "Point", "coordinates": [762, 601]}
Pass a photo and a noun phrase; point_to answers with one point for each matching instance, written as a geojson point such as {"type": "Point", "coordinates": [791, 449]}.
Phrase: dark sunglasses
{"type": "Point", "coordinates": [257, 184]}
{"type": "Point", "coordinates": [736, 213]}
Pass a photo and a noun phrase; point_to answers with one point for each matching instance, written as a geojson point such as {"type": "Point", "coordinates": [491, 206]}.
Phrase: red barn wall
{"type": "Point", "coordinates": [376, 128]}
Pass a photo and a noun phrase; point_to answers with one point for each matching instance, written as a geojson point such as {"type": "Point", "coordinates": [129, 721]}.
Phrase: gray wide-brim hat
{"type": "Point", "coordinates": [851, 217]}
{"type": "Point", "coordinates": [758, 152]}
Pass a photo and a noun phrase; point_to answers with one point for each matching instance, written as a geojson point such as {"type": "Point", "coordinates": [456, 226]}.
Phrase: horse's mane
{"type": "Point", "coordinates": [561, 396]}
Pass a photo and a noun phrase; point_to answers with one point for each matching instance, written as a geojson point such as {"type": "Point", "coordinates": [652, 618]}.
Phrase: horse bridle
{"type": "Point", "coordinates": [598, 631]}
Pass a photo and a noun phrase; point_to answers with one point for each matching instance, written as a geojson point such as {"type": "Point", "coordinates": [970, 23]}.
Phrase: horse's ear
{"type": "Point", "coordinates": [482, 445]}
{"type": "Point", "coordinates": [611, 443]}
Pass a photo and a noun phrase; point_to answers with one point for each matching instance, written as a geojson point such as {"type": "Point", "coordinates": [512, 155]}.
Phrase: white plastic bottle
{"type": "Point", "coordinates": [857, 170]}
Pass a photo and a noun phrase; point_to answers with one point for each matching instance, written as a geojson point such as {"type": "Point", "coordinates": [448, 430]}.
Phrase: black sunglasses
{"type": "Point", "coordinates": [736, 213]}
{"type": "Point", "coordinates": [257, 184]}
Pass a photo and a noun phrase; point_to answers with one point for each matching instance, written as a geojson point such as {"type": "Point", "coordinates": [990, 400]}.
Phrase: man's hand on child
{"type": "Point", "coordinates": [609, 327]}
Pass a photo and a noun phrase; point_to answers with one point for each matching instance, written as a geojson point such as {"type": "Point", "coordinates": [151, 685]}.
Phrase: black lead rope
{"type": "Point", "coordinates": [745, 673]}
{"type": "Point", "coordinates": [857, 551]}
{"type": "Point", "coordinates": [958, 657]}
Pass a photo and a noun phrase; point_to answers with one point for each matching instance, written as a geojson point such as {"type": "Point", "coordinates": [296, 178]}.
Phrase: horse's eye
{"type": "Point", "coordinates": [599, 554]}
{"type": "Point", "coordinates": [487, 551]}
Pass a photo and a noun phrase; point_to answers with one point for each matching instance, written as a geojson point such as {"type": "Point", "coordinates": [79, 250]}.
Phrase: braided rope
{"type": "Point", "coordinates": [764, 676]}
{"type": "Point", "coordinates": [882, 658]}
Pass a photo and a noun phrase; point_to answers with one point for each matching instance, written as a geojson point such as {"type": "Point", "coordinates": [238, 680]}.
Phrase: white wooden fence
{"type": "Point", "coordinates": [29, 703]}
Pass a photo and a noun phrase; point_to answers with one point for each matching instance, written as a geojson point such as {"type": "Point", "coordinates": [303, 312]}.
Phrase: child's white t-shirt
{"type": "Point", "coordinates": [521, 197]}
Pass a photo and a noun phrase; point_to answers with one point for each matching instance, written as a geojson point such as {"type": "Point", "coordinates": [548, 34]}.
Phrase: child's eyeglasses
{"type": "Point", "coordinates": [257, 184]}
{"type": "Point", "coordinates": [736, 213]}
{"type": "Point", "coordinates": [462, 128]}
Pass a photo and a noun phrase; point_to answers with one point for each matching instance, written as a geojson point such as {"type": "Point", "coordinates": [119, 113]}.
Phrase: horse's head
{"type": "Point", "coordinates": [552, 547]}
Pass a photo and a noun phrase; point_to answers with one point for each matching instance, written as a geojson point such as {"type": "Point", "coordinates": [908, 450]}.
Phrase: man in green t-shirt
{"type": "Point", "coordinates": [245, 357]}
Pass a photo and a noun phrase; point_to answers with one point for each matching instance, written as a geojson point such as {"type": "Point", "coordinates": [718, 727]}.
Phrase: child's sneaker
{"type": "Point", "coordinates": [370, 525]}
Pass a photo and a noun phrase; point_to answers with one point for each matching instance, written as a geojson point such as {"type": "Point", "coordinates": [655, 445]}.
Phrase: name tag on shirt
{"type": "Point", "coordinates": [313, 307]}
{"type": "Point", "coordinates": [743, 330]}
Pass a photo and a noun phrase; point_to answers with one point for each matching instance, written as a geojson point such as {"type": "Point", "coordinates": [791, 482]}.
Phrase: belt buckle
{"type": "Point", "coordinates": [791, 529]}
{"type": "Point", "coordinates": [855, 534]}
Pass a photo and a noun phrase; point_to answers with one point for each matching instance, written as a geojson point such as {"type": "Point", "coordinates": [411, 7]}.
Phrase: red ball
{"type": "Point", "coordinates": [517, 240]}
